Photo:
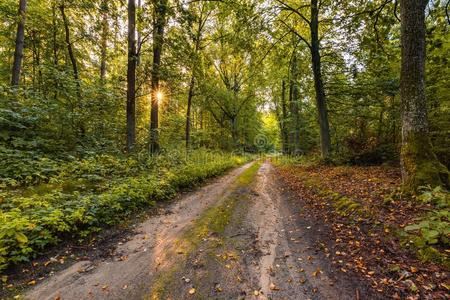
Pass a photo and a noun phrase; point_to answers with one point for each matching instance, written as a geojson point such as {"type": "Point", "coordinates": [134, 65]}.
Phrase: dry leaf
{"type": "Point", "coordinates": [32, 282]}
{"type": "Point", "coordinates": [317, 272]}
{"type": "Point", "coordinates": [273, 287]}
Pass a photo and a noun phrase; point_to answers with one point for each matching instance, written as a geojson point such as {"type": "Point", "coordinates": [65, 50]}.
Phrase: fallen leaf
{"type": "Point", "coordinates": [32, 282]}
{"type": "Point", "coordinates": [317, 272]}
{"type": "Point", "coordinates": [273, 287]}
{"type": "Point", "coordinates": [191, 291]}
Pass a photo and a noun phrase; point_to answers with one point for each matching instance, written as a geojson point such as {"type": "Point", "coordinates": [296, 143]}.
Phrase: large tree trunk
{"type": "Point", "coordinates": [325, 141]}
{"type": "Point", "coordinates": [419, 164]}
{"type": "Point", "coordinates": [131, 77]}
{"type": "Point", "coordinates": [104, 37]}
{"type": "Point", "coordinates": [160, 9]}
{"type": "Point", "coordinates": [18, 52]}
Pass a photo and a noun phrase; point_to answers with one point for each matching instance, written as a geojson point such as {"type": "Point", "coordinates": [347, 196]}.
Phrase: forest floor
{"type": "Point", "coordinates": [251, 234]}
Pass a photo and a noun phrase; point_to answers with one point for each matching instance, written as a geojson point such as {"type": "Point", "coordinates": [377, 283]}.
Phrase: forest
{"type": "Point", "coordinates": [118, 115]}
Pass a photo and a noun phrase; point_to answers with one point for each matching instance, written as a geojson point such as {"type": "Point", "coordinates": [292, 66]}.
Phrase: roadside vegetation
{"type": "Point", "coordinates": [77, 198]}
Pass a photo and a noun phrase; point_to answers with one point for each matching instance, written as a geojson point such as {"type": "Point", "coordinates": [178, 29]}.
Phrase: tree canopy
{"type": "Point", "coordinates": [211, 73]}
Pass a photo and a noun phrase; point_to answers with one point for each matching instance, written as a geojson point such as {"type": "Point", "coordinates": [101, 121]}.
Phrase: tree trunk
{"type": "Point", "coordinates": [104, 37]}
{"type": "Point", "coordinates": [55, 50]}
{"type": "Point", "coordinates": [192, 82]}
{"type": "Point", "coordinates": [160, 8]}
{"type": "Point", "coordinates": [139, 38]}
{"type": "Point", "coordinates": [419, 164]}
{"type": "Point", "coordinates": [70, 49]}
{"type": "Point", "coordinates": [188, 111]}
{"type": "Point", "coordinates": [325, 141]}
{"type": "Point", "coordinates": [18, 52]}
{"type": "Point", "coordinates": [284, 133]}
{"type": "Point", "coordinates": [131, 77]}
{"type": "Point", "coordinates": [295, 98]}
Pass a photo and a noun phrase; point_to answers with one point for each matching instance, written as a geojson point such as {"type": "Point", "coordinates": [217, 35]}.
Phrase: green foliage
{"type": "Point", "coordinates": [433, 229]}
{"type": "Point", "coordinates": [36, 217]}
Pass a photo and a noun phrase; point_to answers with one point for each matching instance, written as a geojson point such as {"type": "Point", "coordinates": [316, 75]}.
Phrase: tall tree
{"type": "Point", "coordinates": [159, 23]}
{"type": "Point", "coordinates": [196, 39]}
{"type": "Point", "coordinates": [131, 76]}
{"type": "Point", "coordinates": [69, 44]}
{"type": "Point", "coordinates": [314, 47]}
{"type": "Point", "coordinates": [104, 38]}
{"type": "Point", "coordinates": [283, 118]}
{"type": "Point", "coordinates": [325, 140]}
{"type": "Point", "coordinates": [294, 99]}
{"type": "Point", "coordinates": [419, 164]}
{"type": "Point", "coordinates": [20, 37]}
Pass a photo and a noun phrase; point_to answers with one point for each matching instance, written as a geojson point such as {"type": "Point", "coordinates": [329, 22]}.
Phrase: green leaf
{"type": "Point", "coordinates": [412, 227]}
{"type": "Point", "coordinates": [21, 238]}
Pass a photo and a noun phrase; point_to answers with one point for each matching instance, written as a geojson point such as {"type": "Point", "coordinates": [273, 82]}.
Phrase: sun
{"type": "Point", "coordinates": [159, 96]}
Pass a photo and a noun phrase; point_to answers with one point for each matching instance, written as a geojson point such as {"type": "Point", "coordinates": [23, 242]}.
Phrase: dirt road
{"type": "Point", "coordinates": [240, 237]}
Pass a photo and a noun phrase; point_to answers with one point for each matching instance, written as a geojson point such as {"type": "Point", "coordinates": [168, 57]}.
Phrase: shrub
{"type": "Point", "coordinates": [31, 220]}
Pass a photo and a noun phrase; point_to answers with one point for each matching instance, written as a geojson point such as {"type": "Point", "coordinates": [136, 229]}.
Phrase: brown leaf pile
{"type": "Point", "coordinates": [364, 243]}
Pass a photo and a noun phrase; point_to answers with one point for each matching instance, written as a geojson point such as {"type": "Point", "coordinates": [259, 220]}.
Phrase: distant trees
{"type": "Point", "coordinates": [18, 52]}
{"type": "Point", "coordinates": [420, 165]}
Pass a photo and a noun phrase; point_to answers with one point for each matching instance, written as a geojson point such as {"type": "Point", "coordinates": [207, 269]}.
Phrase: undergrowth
{"type": "Point", "coordinates": [432, 230]}
{"type": "Point", "coordinates": [83, 196]}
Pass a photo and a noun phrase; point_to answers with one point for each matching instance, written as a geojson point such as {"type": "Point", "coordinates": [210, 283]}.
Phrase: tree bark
{"type": "Point", "coordinates": [197, 40]}
{"type": "Point", "coordinates": [160, 9]}
{"type": "Point", "coordinates": [131, 77]}
{"type": "Point", "coordinates": [139, 38]}
{"type": "Point", "coordinates": [325, 140]}
{"type": "Point", "coordinates": [104, 37]}
{"type": "Point", "coordinates": [284, 116]}
{"type": "Point", "coordinates": [70, 49]}
{"type": "Point", "coordinates": [188, 111]}
{"type": "Point", "coordinates": [295, 98]}
{"type": "Point", "coordinates": [20, 37]}
{"type": "Point", "coordinates": [419, 164]}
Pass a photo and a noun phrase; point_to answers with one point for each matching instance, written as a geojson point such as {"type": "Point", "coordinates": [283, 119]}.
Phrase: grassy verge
{"type": "Point", "coordinates": [212, 221]}
{"type": "Point", "coordinates": [88, 195]}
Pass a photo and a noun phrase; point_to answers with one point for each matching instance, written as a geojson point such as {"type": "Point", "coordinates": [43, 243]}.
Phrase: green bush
{"type": "Point", "coordinates": [34, 218]}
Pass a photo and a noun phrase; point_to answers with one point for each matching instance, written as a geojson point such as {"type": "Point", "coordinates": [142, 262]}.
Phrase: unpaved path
{"type": "Point", "coordinates": [265, 252]}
